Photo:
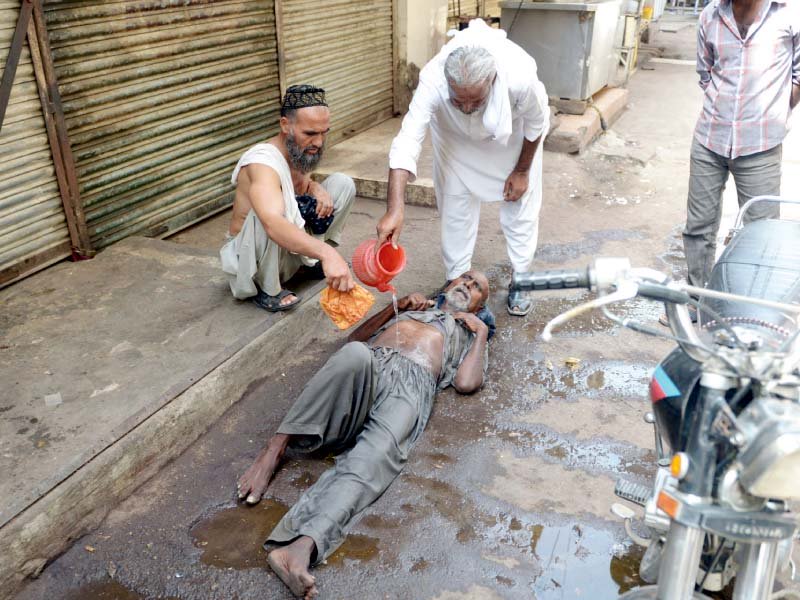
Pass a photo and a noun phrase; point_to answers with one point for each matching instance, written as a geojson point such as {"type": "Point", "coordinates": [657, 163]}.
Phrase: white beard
{"type": "Point", "coordinates": [456, 300]}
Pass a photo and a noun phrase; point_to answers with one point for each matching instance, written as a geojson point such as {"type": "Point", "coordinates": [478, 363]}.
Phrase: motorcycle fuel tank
{"type": "Point", "coordinates": [670, 387]}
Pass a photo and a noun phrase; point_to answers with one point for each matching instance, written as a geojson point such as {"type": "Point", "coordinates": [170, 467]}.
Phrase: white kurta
{"type": "Point", "coordinates": [474, 154]}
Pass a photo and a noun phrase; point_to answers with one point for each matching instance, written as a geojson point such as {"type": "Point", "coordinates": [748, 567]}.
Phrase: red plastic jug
{"type": "Point", "coordinates": [377, 268]}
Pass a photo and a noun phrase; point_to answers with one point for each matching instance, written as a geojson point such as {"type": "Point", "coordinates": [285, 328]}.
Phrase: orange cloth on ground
{"type": "Point", "coordinates": [346, 308]}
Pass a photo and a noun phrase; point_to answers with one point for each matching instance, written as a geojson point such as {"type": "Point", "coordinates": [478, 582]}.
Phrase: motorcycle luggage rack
{"type": "Point", "coordinates": [737, 225]}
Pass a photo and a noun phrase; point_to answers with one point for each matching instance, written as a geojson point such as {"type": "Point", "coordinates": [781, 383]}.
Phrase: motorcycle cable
{"type": "Point", "coordinates": [656, 290]}
{"type": "Point", "coordinates": [700, 586]}
{"type": "Point", "coordinates": [719, 319]}
{"type": "Point", "coordinates": [647, 330]}
{"type": "Point", "coordinates": [740, 393]}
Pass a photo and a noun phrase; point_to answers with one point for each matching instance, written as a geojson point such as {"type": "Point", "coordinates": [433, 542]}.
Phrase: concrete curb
{"type": "Point", "coordinates": [575, 132]}
{"type": "Point", "coordinates": [419, 193]}
{"type": "Point", "coordinates": [78, 504]}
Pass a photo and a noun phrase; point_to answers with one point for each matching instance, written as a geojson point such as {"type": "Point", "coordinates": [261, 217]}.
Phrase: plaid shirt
{"type": "Point", "coordinates": [747, 82]}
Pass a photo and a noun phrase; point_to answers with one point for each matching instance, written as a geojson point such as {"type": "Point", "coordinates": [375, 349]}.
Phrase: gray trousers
{"type": "Point", "coordinates": [378, 402]}
{"type": "Point", "coordinates": [755, 175]}
{"type": "Point", "coordinates": [253, 261]}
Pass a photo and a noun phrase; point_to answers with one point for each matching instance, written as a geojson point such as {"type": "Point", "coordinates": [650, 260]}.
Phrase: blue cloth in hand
{"type": "Point", "coordinates": [308, 210]}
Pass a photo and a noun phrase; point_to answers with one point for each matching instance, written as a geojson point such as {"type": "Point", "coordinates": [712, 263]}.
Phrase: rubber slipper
{"type": "Point", "coordinates": [518, 305]}
{"type": "Point", "coordinates": [273, 303]}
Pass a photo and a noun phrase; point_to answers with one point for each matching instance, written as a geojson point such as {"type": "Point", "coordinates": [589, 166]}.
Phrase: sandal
{"type": "Point", "coordinates": [518, 304]}
{"type": "Point", "coordinates": [273, 303]}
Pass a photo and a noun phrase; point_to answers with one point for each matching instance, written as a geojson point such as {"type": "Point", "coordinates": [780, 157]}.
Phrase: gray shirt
{"type": "Point", "coordinates": [457, 341]}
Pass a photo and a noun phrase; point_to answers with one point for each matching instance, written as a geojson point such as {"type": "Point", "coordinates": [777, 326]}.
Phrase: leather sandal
{"type": "Point", "coordinates": [273, 303]}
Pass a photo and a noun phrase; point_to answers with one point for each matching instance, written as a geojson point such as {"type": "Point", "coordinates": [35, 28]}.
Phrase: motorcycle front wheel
{"type": "Point", "coordinates": [650, 592]}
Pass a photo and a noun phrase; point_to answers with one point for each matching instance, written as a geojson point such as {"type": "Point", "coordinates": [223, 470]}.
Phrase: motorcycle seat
{"type": "Point", "coordinates": [762, 261]}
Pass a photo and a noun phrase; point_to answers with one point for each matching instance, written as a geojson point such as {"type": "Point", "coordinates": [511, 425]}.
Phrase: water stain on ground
{"type": "Point", "coordinates": [234, 537]}
{"type": "Point", "coordinates": [305, 480]}
{"type": "Point", "coordinates": [589, 246]}
{"type": "Point", "coordinates": [362, 548]}
{"type": "Point", "coordinates": [419, 565]}
{"type": "Point", "coordinates": [103, 590]}
{"type": "Point", "coordinates": [572, 558]}
{"type": "Point", "coordinates": [590, 455]}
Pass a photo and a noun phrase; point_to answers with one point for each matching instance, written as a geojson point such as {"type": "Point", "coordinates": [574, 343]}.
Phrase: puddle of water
{"type": "Point", "coordinates": [233, 537]}
{"type": "Point", "coordinates": [575, 560]}
{"type": "Point", "coordinates": [530, 382]}
{"type": "Point", "coordinates": [103, 590]}
{"type": "Point", "coordinates": [355, 547]}
{"type": "Point", "coordinates": [590, 455]}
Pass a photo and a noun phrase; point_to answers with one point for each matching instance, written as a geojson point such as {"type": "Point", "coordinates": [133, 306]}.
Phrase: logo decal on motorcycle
{"type": "Point", "coordinates": [661, 386]}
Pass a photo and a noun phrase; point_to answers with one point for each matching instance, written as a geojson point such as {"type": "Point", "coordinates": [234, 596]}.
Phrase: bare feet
{"type": "Point", "coordinates": [254, 482]}
{"type": "Point", "coordinates": [291, 562]}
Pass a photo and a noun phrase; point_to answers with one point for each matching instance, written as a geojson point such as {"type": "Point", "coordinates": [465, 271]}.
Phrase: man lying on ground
{"type": "Point", "coordinates": [376, 397]}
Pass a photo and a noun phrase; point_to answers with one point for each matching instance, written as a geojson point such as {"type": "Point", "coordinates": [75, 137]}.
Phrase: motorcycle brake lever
{"type": "Point", "coordinates": [626, 290]}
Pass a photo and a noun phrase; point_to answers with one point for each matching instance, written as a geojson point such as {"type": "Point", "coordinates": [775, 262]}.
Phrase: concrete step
{"type": "Point", "coordinates": [573, 133]}
{"type": "Point", "coordinates": [365, 158]}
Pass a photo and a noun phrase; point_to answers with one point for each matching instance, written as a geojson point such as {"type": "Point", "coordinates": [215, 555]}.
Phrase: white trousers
{"type": "Point", "coordinates": [460, 216]}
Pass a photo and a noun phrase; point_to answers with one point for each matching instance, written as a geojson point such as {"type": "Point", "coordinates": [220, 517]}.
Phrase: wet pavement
{"type": "Point", "coordinates": [507, 493]}
{"type": "Point", "coordinates": [505, 496]}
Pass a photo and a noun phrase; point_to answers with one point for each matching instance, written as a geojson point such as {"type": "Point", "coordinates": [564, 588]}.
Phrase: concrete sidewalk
{"type": "Point", "coordinates": [111, 368]}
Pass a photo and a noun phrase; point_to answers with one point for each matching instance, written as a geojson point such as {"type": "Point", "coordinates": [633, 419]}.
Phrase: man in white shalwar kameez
{"type": "Point", "coordinates": [487, 112]}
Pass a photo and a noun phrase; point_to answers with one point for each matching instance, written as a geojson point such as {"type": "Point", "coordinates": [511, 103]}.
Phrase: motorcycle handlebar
{"type": "Point", "coordinates": [663, 293]}
{"type": "Point", "coordinates": [550, 280]}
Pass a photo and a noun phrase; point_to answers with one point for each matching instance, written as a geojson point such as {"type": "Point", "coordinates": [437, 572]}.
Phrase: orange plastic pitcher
{"type": "Point", "coordinates": [377, 268]}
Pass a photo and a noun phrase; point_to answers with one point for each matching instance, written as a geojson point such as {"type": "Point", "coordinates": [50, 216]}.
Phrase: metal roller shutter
{"type": "Point", "coordinates": [344, 46]}
{"type": "Point", "coordinates": [161, 97]}
{"type": "Point", "coordinates": [33, 228]}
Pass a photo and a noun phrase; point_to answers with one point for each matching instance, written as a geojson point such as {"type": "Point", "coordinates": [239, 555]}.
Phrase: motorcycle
{"type": "Point", "coordinates": [725, 410]}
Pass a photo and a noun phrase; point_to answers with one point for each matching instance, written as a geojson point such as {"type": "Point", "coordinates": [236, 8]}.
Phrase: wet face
{"type": "Point", "coordinates": [467, 293]}
{"type": "Point", "coordinates": [470, 98]}
{"type": "Point", "coordinates": [306, 130]}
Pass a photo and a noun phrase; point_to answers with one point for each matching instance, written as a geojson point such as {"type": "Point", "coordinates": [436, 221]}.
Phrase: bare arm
{"type": "Point", "coordinates": [391, 224]}
{"type": "Point", "coordinates": [469, 376]}
{"type": "Point", "coordinates": [526, 154]}
{"type": "Point", "coordinates": [795, 96]}
{"type": "Point", "coordinates": [517, 182]}
{"type": "Point", "coordinates": [266, 198]}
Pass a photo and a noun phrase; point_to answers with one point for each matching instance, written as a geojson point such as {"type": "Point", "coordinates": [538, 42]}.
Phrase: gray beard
{"type": "Point", "coordinates": [299, 159]}
{"type": "Point", "coordinates": [457, 301]}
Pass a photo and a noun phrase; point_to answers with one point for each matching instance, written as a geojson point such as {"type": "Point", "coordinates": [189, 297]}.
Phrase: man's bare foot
{"type": "Point", "coordinates": [254, 482]}
{"type": "Point", "coordinates": [291, 562]}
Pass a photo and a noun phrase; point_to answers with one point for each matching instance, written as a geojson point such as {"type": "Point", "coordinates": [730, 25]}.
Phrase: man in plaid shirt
{"type": "Point", "coordinates": [748, 59]}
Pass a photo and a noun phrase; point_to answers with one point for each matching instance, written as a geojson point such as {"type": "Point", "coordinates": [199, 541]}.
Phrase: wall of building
{"type": "Point", "coordinates": [420, 30]}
